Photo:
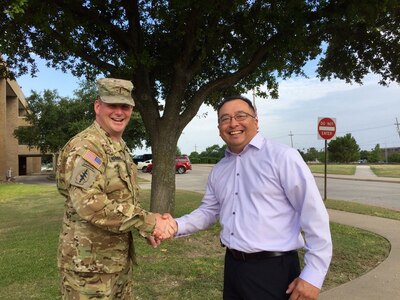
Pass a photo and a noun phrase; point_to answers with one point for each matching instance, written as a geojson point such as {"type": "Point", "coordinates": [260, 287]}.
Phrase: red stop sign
{"type": "Point", "coordinates": [326, 128]}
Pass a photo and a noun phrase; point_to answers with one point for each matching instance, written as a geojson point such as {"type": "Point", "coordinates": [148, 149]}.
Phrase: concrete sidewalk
{"type": "Point", "coordinates": [383, 282]}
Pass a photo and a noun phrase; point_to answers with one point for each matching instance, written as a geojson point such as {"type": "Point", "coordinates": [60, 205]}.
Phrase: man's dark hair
{"type": "Point", "coordinates": [238, 97]}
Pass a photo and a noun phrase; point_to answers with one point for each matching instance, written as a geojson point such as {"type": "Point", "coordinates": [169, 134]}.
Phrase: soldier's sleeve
{"type": "Point", "coordinates": [145, 225]}
{"type": "Point", "coordinates": [87, 193]}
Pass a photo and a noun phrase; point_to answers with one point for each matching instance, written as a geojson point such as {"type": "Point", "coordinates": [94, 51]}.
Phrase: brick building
{"type": "Point", "coordinates": [15, 159]}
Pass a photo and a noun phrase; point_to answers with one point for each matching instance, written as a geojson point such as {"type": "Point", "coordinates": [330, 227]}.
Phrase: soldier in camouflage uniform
{"type": "Point", "coordinates": [97, 177]}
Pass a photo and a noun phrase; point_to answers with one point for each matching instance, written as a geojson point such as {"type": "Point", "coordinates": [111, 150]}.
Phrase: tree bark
{"type": "Point", "coordinates": [163, 173]}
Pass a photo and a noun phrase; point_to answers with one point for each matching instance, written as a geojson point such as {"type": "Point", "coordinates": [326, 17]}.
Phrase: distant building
{"type": "Point", "coordinates": [15, 159]}
{"type": "Point", "coordinates": [391, 150]}
{"type": "Point", "coordinates": [387, 152]}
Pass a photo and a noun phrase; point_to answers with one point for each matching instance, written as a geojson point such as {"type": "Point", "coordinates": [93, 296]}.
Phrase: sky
{"type": "Point", "coordinates": [368, 112]}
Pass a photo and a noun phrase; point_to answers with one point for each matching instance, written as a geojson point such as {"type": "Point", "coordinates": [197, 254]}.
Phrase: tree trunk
{"type": "Point", "coordinates": [163, 174]}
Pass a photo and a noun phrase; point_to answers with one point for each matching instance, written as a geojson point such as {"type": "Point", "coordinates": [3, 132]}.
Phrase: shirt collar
{"type": "Point", "coordinates": [257, 141]}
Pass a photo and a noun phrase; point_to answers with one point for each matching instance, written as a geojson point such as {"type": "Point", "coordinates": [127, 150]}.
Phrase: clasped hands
{"type": "Point", "coordinates": [166, 227]}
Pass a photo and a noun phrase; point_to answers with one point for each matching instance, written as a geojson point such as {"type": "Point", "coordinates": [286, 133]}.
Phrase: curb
{"type": "Point", "coordinates": [353, 177]}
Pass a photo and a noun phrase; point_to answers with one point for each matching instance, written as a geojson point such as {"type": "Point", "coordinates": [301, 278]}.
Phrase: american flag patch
{"type": "Point", "coordinates": [92, 158]}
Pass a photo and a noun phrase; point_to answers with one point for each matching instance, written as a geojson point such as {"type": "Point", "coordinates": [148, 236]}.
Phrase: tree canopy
{"type": "Point", "coordinates": [312, 155]}
{"type": "Point", "coordinates": [375, 155]}
{"type": "Point", "coordinates": [55, 119]}
{"type": "Point", "coordinates": [180, 54]}
{"type": "Point", "coordinates": [343, 149]}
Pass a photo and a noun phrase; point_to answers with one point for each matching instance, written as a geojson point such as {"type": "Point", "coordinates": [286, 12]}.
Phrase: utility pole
{"type": "Point", "coordinates": [398, 127]}
{"type": "Point", "coordinates": [291, 139]}
{"type": "Point", "coordinates": [386, 155]}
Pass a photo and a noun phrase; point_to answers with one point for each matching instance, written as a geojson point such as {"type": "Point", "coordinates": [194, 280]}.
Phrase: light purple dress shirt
{"type": "Point", "coordinates": [263, 198]}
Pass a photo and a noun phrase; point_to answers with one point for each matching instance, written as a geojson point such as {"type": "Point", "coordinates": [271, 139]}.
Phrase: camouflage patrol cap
{"type": "Point", "coordinates": [115, 91]}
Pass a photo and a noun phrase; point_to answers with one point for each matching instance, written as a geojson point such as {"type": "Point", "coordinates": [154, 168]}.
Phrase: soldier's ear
{"type": "Point", "coordinates": [96, 105]}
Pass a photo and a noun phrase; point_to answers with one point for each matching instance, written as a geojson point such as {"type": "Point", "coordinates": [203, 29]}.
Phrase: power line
{"type": "Point", "coordinates": [373, 143]}
{"type": "Point", "coordinates": [370, 128]}
{"type": "Point", "coordinates": [365, 144]}
{"type": "Point", "coordinates": [349, 131]}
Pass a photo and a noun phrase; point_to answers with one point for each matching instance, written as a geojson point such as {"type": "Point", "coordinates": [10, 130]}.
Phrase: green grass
{"type": "Point", "coordinates": [185, 268]}
{"type": "Point", "coordinates": [386, 170]}
{"type": "Point", "coordinates": [379, 170]}
{"type": "Point", "coordinates": [333, 169]}
{"type": "Point", "coordinates": [30, 220]}
{"type": "Point", "coordinates": [363, 209]}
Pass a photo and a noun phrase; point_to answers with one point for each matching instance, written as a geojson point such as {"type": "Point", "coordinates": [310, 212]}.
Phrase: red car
{"type": "Point", "coordinates": [182, 164]}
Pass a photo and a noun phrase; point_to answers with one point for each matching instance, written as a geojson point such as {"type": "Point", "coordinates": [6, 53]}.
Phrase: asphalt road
{"type": "Point", "coordinates": [383, 194]}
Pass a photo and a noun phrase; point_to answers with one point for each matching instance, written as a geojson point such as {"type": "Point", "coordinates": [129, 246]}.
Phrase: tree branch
{"type": "Point", "coordinates": [260, 56]}
{"type": "Point", "coordinates": [79, 12]}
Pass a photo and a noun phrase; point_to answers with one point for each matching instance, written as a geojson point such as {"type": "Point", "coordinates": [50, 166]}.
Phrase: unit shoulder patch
{"type": "Point", "coordinates": [84, 174]}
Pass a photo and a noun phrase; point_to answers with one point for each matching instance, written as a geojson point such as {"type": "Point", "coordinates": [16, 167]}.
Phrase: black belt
{"type": "Point", "coordinates": [239, 255]}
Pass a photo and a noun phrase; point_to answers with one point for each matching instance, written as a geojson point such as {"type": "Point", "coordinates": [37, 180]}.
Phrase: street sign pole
{"type": "Point", "coordinates": [326, 131]}
{"type": "Point", "coordinates": [325, 170]}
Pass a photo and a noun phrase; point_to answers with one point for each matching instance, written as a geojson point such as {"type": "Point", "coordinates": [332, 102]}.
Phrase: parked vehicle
{"type": "Point", "coordinates": [182, 165]}
{"type": "Point", "coordinates": [142, 165]}
{"type": "Point", "coordinates": [141, 157]}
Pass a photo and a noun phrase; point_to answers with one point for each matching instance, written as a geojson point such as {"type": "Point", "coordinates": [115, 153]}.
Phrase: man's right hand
{"type": "Point", "coordinates": [166, 227]}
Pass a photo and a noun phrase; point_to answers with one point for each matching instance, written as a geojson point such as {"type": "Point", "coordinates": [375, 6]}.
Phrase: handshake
{"type": "Point", "coordinates": [166, 227]}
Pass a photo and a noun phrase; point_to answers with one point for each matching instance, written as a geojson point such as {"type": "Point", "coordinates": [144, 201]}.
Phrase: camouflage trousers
{"type": "Point", "coordinates": [85, 286]}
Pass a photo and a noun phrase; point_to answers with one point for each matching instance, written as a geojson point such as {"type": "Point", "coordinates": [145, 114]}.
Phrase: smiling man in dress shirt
{"type": "Point", "coordinates": [264, 196]}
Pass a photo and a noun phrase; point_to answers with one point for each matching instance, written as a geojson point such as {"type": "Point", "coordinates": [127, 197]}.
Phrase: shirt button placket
{"type": "Point", "coordinates": [235, 196]}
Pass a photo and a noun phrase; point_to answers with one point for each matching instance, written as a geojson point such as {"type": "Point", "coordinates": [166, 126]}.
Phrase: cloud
{"type": "Point", "coordinates": [366, 111]}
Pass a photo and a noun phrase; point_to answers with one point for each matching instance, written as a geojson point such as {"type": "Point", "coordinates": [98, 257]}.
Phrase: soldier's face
{"type": "Point", "coordinates": [113, 118]}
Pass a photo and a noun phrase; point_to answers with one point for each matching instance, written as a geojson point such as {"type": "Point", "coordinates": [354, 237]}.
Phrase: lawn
{"type": "Point", "coordinates": [185, 268]}
{"type": "Point", "coordinates": [333, 169]}
{"type": "Point", "coordinates": [386, 170]}
{"type": "Point", "coordinates": [379, 170]}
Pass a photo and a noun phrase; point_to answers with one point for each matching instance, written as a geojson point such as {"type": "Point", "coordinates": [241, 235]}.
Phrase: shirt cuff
{"type": "Point", "coordinates": [181, 228]}
{"type": "Point", "coordinates": [145, 224]}
{"type": "Point", "coordinates": [312, 277]}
